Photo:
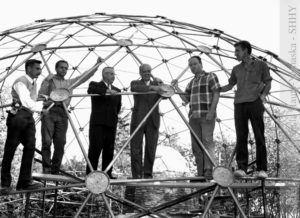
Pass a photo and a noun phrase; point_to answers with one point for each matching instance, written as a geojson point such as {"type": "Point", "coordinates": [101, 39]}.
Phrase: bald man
{"type": "Point", "coordinates": [142, 105]}
{"type": "Point", "coordinates": [103, 121]}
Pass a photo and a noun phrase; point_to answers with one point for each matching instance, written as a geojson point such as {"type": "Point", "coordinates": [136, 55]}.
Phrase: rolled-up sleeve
{"type": "Point", "coordinates": [266, 76]}
{"type": "Point", "coordinates": [214, 82]}
{"type": "Point", "coordinates": [188, 90]}
{"type": "Point", "coordinates": [44, 90]}
{"type": "Point", "coordinates": [25, 98]}
{"type": "Point", "coordinates": [232, 79]}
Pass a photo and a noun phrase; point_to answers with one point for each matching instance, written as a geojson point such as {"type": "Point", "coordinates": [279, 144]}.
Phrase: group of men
{"type": "Point", "coordinates": [253, 81]}
{"type": "Point", "coordinates": [21, 125]}
{"type": "Point", "coordinates": [252, 78]}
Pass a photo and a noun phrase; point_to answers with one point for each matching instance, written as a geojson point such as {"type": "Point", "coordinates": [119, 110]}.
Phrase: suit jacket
{"type": "Point", "coordinates": [143, 104]}
{"type": "Point", "coordinates": [105, 108]}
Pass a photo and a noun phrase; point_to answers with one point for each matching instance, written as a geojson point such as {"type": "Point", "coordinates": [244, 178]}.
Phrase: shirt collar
{"type": "Point", "coordinates": [147, 82]}
{"type": "Point", "coordinates": [107, 85]}
{"type": "Point", "coordinates": [58, 77]}
{"type": "Point", "coordinates": [29, 78]}
{"type": "Point", "coordinates": [251, 61]}
{"type": "Point", "coordinates": [198, 76]}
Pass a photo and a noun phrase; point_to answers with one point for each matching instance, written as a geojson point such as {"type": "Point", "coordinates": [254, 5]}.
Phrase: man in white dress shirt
{"type": "Point", "coordinates": [21, 128]}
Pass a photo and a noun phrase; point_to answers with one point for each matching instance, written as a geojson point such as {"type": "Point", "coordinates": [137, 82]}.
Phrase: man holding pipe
{"type": "Point", "coordinates": [104, 120]}
{"type": "Point", "coordinates": [142, 105]}
{"type": "Point", "coordinates": [203, 96]}
{"type": "Point", "coordinates": [55, 123]}
{"type": "Point", "coordinates": [21, 128]}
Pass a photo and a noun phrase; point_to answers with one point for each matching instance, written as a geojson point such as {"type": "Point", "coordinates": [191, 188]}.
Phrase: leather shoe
{"type": "Point", "coordinates": [55, 172]}
{"type": "Point", "coordinates": [239, 173]}
{"type": "Point", "coordinates": [208, 174]}
{"type": "Point", "coordinates": [47, 170]}
{"type": "Point", "coordinates": [30, 186]}
{"type": "Point", "coordinates": [198, 180]}
{"type": "Point", "coordinates": [112, 177]}
{"type": "Point", "coordinates": [148, 176]}
{"type": "Point", "coordinates": [262, 174]}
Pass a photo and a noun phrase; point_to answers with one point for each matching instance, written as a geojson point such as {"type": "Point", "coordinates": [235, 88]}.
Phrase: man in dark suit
{"type": "Point", "coordinates": [142, 105]}
{"type": "Point", "coordinates": [104, 119]}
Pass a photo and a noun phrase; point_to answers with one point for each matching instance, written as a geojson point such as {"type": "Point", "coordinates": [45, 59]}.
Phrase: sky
{"type": "Point", "coordinates": [254, 20]}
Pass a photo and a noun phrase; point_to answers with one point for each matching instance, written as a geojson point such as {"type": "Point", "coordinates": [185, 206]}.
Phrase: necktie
{"type": "Point", "coordinates": [33, 93]}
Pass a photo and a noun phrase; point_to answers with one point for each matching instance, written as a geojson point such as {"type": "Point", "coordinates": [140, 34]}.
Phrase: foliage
{"type": "Point", "coordinates": [278, 201]}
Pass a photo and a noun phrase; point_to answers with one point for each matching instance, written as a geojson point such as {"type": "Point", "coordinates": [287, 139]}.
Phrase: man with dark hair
{"type": "Point", "coordinates": [55, 123]}
{"type": "Point", "coordinates": [57, 64]}
{"type": "Point", "coordinates": [21, 128]}
{"type": "Point", "coordinates": [142, 105]}
{"type": "Point", "coordinates": [244, 45]}
{"type": "Point", "coordinates": [203, 96]}
{"type": "Point", "coordinates": [253, 81]}
{"type": "Point", "coordinates": [104, 120]}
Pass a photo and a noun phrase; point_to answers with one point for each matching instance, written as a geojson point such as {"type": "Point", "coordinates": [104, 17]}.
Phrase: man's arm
{"type": "Point", "coordinates": [138, 86]}
{"type": "Point", "coordinates": [184, 98]}
{"type": "Point", "coordinates": [266, 90]}
{"type": "Point", "coordinates": [267, 79]}
{"type": "Point", "coordinates": [86, 75]}
{"type": "Point", "coordinates": [226, 88]}
{"type": "Point", "coordinates": [94, 88]}
{"type": "Point", "coordinates": [231, 82]}
{"type": "Point", "coordinates": [44, 89]}
{"type": "Point", "coordinates": [44, 92]}
{"type": "Point", "coordinates": [213, 107]}
{"type": "Point", "coordinates": [25, 98]}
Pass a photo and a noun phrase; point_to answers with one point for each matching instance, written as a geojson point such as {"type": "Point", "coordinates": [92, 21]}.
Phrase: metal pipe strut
{"type": "Point", "coordinates": [178, 200]}
{"type": "Point", "coordinates": [129, 203]}
{"type": "Point", "coordinates": [45, 189]}
{"type": "Point", "coordinates": [78, 139]}
{"type": "Point", "coordinates": [282, 129]}
{"type": "Point", "coordinates": [83, 205]}
{"type": "Point", "coordinates": [193, 133]}
{"type": "Point", "coordinates": [210, 201]}
{"type": "Point", "coordinates": [132, 135]}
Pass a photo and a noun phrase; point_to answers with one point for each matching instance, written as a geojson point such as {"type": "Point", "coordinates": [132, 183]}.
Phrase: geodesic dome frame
{"type": "Point", "coordinates": [126, 41]}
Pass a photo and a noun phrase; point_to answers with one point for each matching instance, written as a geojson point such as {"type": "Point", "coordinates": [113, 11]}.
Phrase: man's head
{"type": "Point", "coordinates": [108, 75]}
{"type": "Point", "coordinates": [61, 68]}
{"type": "Point", "coordinates": [242, 50]}
{"type": "Point", "coordinates": [145, 72]}
{"type": "Point", "coordinates": [195, 64]}
{"type": "Point", "coordinates": [33, 68]}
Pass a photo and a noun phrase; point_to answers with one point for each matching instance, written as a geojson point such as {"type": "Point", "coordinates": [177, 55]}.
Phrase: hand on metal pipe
{"type": "Point", "coordinates": [111, 91]}
{"type": "Point", "coordinates": [158, 80]}
{"type": "Point", "coordinates": [174, 83]}
{"type": "Point", "coordinates": [44, 97]}
{"type": "Point", "coordinates": [99, 60]}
